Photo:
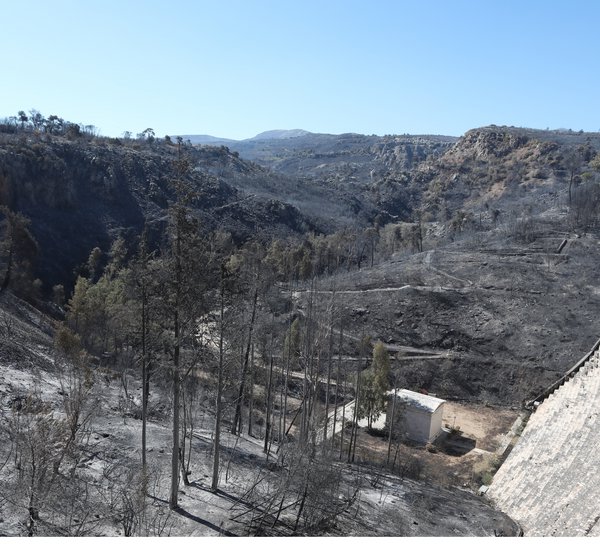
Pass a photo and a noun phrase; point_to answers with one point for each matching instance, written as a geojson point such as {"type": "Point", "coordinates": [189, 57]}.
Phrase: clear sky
{"type": "Point", "coordinates": [234, 68]}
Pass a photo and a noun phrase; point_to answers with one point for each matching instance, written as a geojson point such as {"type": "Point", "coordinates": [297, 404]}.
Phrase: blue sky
{"type": "Point", "coordinates": [234, 68]}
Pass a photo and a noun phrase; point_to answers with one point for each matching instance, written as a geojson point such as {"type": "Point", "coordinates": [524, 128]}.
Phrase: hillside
{"type": "Point", "coordinates": [496, 319]}
{"type": "Point", "coordinates": [504, 292]}
{"type": "Point", "coordinates": [96, 490]}
{"type": "Point", "coordinates": [506, 170]}
{"type": "Point", "coordinates": [80, 194]}
{"type": "Point", "coordinates": [473, 261]}
{"type": "Point", "coordinates": [374, 173]}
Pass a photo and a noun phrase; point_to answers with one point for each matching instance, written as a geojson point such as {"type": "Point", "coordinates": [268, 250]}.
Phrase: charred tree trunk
{"type": "Point", "coordinates": [218, 406]}
{"type": "Point", "coordinates": [329, 368]}
{"type": "Point", "coordinates": [251, 391]}
{"type": "Point", "coordinates": [145, 386]}
{"type": "Point", "coordinates": [269, 400]}
{"type": "Point", "coordinates": [337, 383]}
{"type": "Point", "coordinates": [173, 500]}
{"type": "Point", "coordinates": [353, 434]}
{"type": "Point", "coordinates": [391, 428]}
{"type": "Point", "coordinates": [237, 425]}
{"type": "Point", "coordinates": [283, 401]}
{"type": "Point", "coordinates": [343, 418]}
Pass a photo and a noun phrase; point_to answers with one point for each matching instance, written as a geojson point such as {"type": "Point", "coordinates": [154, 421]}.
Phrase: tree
{"type": "Point", "coordinates": [143, 286]}
{"type": "Point", "coordinates": [370, 404]}
{"type": "Point", "coordinates": [23, 119]}
{"type": "Point", "coordinates": [93, 263]}
{"type": "Point", "coordinates": [187, 266]}
{"type": "Point", "coordinates": [49, 443]}
{"type": "Point", "coordinates": [148, 135]}
{"type": "Point", "coordinates": [572, 162]}
{"type": "Point", "coordinates": [371, 237]}
{"type": "Point", "coordinates": [77, 315]}
{"type": "Point", "coordinates": [117, 256]}
{"type": "Point", "coordinates": [18, 249]}
{"type": "Point", "coordinates": [374, 385]}
{"type": "Point", "coordinates": [73, 131]}
{"type": "Point", "coordinates": [381, 366]}
{"type": "Point", "coordinates": [250, 278]}
{"type": "Point", "coordinates": [58, 294]}
{"type": "Point", "coordinates": [54, 124]}
{"type": "Point", "coordinates": [36, 119]}
{"type": "Point", "coordinates": [220, 377]}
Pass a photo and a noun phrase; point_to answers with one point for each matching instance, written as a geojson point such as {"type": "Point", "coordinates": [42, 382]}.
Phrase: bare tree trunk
{"type": "Point", "coordinates": [240, 398]}
{"type": "Point", "coordinates": [190, 436]}
{"type": "Point", "coordinates": [218, 407]}
{"type": "Point", "coordinates": [308, 367]}
{"type": "Point", "coordinates": [343, 418]}
{"type": "Point", "coordinates": [301, 509]}
{"type": "Point", "coordinates": [175, 448]}
{"type": "Point", "coordinates": [283, 414]}
{"type": "Point", "coordinates": [186, 403]}
{"type": "Point", "coordinates": [329, 367]}
{"type": "Point", "coordinates": [176, 379]}
{"type": "Point", "coordinates": [337, 382]}
{"type": "Point", "coordinates": [354, 431]}
{"type": "Point", "coordinates": [312, 424]}
{"type": "Point", "coordinates": [391, 427]}
{"type": "Point", "coordinates": [251, 391]}
{"type": "Point", "coordinates": [145, 386]}
{"type": "Point", "coordinates": [572, 177]}
{"type": "Point", "coordinates": [269, 400]}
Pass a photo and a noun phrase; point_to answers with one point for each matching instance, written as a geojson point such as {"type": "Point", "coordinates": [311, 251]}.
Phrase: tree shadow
{"type": "Point", "coordinates": [204, 522]}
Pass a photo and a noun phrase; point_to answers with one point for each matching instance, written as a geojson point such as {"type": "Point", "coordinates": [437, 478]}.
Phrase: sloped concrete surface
{"type": "Point", "coordinates": [550, 482]}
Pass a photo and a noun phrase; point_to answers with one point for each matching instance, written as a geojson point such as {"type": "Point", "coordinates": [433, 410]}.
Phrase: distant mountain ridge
{"type": "Point", "coordinates": [87, 192]}
{"type": "Point", "coordinates": [207, 139]}
{"type": "Point", "coordinates": [280, 134]}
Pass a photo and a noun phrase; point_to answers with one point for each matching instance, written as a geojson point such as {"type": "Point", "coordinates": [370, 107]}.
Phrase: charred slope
{"type": "Point", "coordinates": [32, 391]}
{"type": "Point", "coordinates": [371, 172]}
{"type": "Point", "coordinates": [486, 318]}
{"type": "Point", "coordinates": [505, 169]}
{"type": "Point", "coordinates": [83, 194]}
{"type": "Point", "coordinates": [336, 155]}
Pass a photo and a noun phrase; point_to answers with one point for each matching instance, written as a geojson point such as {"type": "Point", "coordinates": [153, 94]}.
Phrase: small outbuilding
{"type": "Point", "coordinates": [419, 415]}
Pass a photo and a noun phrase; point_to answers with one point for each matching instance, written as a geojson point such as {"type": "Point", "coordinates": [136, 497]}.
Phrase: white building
{"type": "Point", "coordinates": [420, 415]}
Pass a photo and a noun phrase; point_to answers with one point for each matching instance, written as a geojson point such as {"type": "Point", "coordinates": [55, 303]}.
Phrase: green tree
{"type": "Point", "coordinates": [381, 365]}
{"type": "Point", "coordinates": [36, 119]}
{"type": "Point", "coordinates": [374, 385]}
{"type": "Point", "coordinates": [18, 249]}
{"type": "Point", "coordinates": [116, 257]}
{"type": "Point", "coordinates": [148, 135]}
{"type": "Point", "coordinates": [23, 119]}
{"type": "Point", "coordinates": [93, 263]}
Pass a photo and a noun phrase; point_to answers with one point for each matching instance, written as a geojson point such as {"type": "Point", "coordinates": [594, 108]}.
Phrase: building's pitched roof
{"type": "Point", "coordinates": [418, 400]}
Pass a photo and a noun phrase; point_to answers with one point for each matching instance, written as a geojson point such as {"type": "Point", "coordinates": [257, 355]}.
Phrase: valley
{"type": "Point", "coordinates": [187, 329]}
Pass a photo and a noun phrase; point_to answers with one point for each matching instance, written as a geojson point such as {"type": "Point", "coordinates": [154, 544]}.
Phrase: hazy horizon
{"type": "Point", "coordinates": [234, 71]}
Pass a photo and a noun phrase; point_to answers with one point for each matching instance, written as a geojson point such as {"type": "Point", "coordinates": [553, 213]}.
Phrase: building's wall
{"type": "Point", "coordinates": [417, 424]}
{"type": "Point", "coordinates": [435, 427]}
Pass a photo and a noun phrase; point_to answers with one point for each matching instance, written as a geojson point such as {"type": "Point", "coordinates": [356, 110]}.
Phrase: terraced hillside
{"type": "Point", "coordinates": [550, 482]}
